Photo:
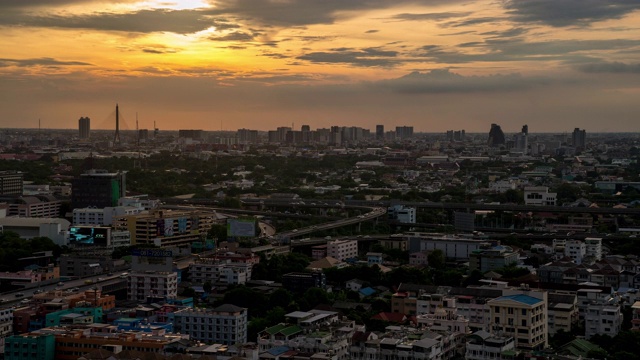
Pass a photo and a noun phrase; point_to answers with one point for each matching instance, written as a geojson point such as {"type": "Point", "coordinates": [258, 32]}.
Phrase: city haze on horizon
{"type": "Point", "coordinates": [262, 64]}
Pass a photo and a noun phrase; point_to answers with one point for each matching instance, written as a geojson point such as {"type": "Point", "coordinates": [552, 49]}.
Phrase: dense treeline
{"type": "Point", "coordinates": [12, 248]}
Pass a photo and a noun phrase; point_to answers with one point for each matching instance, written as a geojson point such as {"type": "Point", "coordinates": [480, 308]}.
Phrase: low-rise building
{"type": "Point", "coordinates": [342, 249]}
{"type": "Point", "coordinates": [493, 258]}
{"type": "Point", "coordinates": [30, 347]}
{"type": "Point", "coordinates": [522, 317]}
{"type": "Point", "coordinates": [482, 345]}
{"type": "Point", "coordinates": [219, 271]}
{"type": "Point", "coordinates": [602, 319]}
{"type": "Point", "coordinates": [539, 195]}
{"type": "Point", "coordinates": [226, 324]}
{"type": "Point", "coordinates": [300, 282]}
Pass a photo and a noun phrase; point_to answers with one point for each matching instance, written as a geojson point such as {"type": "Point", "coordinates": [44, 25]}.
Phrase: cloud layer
{"type": "Point", "coordinates": [435, 64]}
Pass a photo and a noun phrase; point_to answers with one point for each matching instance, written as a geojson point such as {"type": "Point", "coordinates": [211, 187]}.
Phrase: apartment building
{"type": "Point", "coordinates": [482, 345]}
{"type": "Point", "coordinates": [342, 249]}
{"type": "Point", "coordinates": [594, 247]}
{"type": "Point", "coordinates": [167, 228]}
{"type": "Point", "coordinates": [522, 317]}
{"type": "Point", "coordinates": [453, 247]}
{"type": "Point", "coordinates": [102, 216]}
{"type": "Point", "coordinates": [6, 326]}
{"type": "Point", "coordinates": [491, 259]}
{"type": "Point", "coordinates": [576, 250]}
{"type": "Point", "coordinates": [152, 284]}
{"type": "Point", "coordinates": [603, 319]}
{"type": "Point", "coordinates": [539, 195]}
{"type": "Point", "coordinates": [219, 271]}
{"type": "Point", "coordinates": [226, 324]}
{"type": "Point", "coordinates": [562, 312]}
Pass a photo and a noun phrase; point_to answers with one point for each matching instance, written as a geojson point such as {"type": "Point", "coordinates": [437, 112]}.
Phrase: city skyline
{"type": "Point", "coordinates": [261, 64]}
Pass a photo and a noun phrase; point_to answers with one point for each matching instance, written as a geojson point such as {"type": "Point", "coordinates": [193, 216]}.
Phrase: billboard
{"type": "Point", "coordinates": [87, 235]}
{"type": "Point", "coordinates": [168, 227]}
{"type": "Point", "coordinates": [151, 253]}
{"type": "Point", "coordinates": [241, 227]}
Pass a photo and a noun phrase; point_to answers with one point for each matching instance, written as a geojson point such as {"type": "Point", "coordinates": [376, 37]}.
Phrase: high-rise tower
{"type": "Point", "coordinates": [579, 138]}
{"type": "Point", "coordinates": [379, 132]}
{"type": "Point", "coordinates": [84, 127]}
{"type": "Point", "coordinates": [496, 136]}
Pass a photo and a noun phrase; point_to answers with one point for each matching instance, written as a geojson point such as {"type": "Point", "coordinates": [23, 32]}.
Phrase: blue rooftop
{"type": "Point", "coordinates": [367, 291]}
{"type": "Point", "coordinates": [279, 350]}
{"type": "Point", "coordinates": [525, 299]}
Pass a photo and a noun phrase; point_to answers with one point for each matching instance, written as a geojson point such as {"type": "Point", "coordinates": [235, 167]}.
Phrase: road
{"type": "Point", "coordinates": [14, 297]}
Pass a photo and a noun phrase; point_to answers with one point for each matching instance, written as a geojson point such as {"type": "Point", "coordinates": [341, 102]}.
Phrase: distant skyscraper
{"type": "Point", "coordinates": [84, 127]}
{"type": "Point", "coordinates": [306, 133]}
{"type": "Point", "coordinates": [246, 136]}
{"type": "Point", "coordinates": [379, 132]}
{"type": "Point", "coordinates": [496, 136]}
{"type": "Point", "coordinates": [404, 132]}
{"type": "Point", "coordinates": [521, 142]}
{"type": "Point", "coordinates": [579, 138]}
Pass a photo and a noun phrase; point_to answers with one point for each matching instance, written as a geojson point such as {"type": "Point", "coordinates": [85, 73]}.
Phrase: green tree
{"type": "Point", "coordinates": [436, 259]}
{"type": "Point", "coordinates": [602, 354]}
{"type": "Point", "coordinates": [207, 286]}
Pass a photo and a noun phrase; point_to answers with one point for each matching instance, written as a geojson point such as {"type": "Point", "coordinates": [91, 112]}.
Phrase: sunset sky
{"type": "Point", "coordinates": [259, 64]}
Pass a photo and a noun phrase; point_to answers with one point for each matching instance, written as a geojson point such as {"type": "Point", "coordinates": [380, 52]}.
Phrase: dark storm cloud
{"type": "Point", "coordinates": [233, 36]}
{"type": "Point", "coordinates": [144, 21]}
{"type": "Point", "coordinates": [428, 16]}
{"type": "Point", "coordinates": [49, 3]}
{"type": "Point", "coordinates": [444, 81]}
{"type": "Point", "coordinates": [472, 21]}
{"type": "Point", "coordinates": [610, 67]}
{"type": "Point", "coordinates": [569, 12]}
{"type": "Point", "coordinates": [45, 61]}
{"type": "Point", "coordinates": [516, 49]}
{"type": "Point", "coordinates": [513, 32]}
{"type": "Point", "coordinates": [265, 12]}
{"type": "Point", "coordinates": [305, 12]}
{"type": "Point", "coordinates": [367, 57]}
{"type": "Point", "coordinates": [159, 50]}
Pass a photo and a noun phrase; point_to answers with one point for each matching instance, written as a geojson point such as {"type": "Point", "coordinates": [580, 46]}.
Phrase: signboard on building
{"type": "Point", "coordinates": [241, 227]}
{"type": "Point", "coordinates": [152, 253]}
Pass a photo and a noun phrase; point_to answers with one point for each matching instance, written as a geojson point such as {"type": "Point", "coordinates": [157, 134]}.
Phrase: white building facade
{"type": "Point", "coordinates": [342, 249]}
{"type": "Point", "coordinates": [226, 324]}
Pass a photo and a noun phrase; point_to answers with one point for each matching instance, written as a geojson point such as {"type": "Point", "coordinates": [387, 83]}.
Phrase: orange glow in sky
{"type": "Point", "coordinates": [259, 64]}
